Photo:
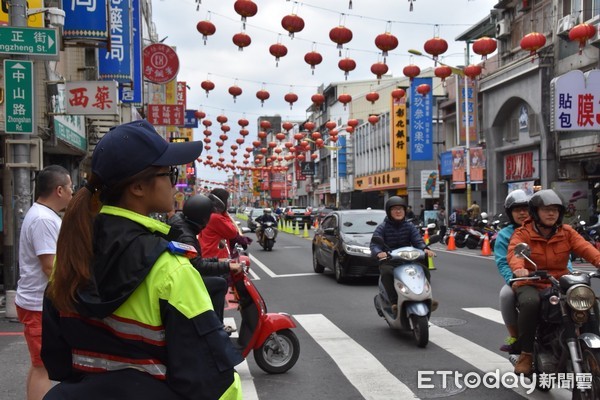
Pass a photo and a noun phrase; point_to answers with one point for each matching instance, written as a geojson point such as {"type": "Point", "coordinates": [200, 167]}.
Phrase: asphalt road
{"type": "Point", "coordinates": [347, 350]}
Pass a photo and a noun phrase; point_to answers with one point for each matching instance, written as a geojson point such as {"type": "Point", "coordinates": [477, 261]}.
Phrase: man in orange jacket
{"type": "Point", "coordinates": [551, 244]}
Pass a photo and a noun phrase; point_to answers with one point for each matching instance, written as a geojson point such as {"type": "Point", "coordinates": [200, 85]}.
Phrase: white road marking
{"type": "Point", "coordinates": [487, 312]}
{"type": "Point", "coordinates": [248, 388]}
{"type": "Point", "coordinates": [256, 261]}
{"type": "Point", "coordinates": [360, 367]}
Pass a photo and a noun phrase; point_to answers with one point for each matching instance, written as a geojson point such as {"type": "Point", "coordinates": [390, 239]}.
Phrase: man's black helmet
{"type": "Point", "coordinates": [547, 197]}
{"type": "Point", "coordinates": [197, 210]}
{"type": "Point", "coordinates": [394, 201]}
{"type": "Point", "coordinates": [516, 198]}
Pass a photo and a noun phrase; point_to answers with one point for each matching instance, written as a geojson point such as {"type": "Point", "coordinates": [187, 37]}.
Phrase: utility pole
{"type": "Point", "coordinates": [18, 197]}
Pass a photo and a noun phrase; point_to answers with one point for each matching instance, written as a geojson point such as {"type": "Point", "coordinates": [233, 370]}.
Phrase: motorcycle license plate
{"type": "Point", "coordinates": [298, 218]}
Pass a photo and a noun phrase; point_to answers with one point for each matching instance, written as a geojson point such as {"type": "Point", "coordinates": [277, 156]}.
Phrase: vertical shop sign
{"type": "Point", "coordinates": [421, 124]}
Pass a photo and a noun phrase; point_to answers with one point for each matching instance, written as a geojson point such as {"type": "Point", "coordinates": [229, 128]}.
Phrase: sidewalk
{"type": "Point", "coordinates": [14, 357]}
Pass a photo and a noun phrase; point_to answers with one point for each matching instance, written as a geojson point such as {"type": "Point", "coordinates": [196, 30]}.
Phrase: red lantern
{"type": "Point", "coordinates": [206, 28]}
{"type": "Point", "coordinates": [246, 8]}
{"type": "Point", "coordinates": [344, 98]}
{"type": "Point", "coordinates": [298, 136]}
{"type": "Point", "coordinates": [292, 23]}
{"type": "Point", "coordinates": [221, 119]}
{"type": "Point", "coordinates": [373, 119]}
{"type": "Point", "coordinates": [262, 135]}
{"type": "Point", "coordinates": [582, 33]}
{"type": "Point", "coordinates": [309, 126]}
{"type": "Point", "coordinates": [314, 156]}
{"type": "Point", "coordinates": [330, 125]}
{"type": "Point", "coordinates": [472, 71]}
{"type": "Point", "coordinates": [239, 141]}
{"type": "Point", "coordinates": [278, 50]}
{"type": "Point", "coordinates": [206, 140]}
{"type": "Point", "coordinates": [287, 126]}
{"type": "Point", "coordinates": [280, 136]}
{"type": "Point", "coordinates": [379, 69]}
{"type": "Point", "coordinates": [272, 145]}
{"type": "Point", "coordinates": [265, 124]}
{"type": "Point", "coordinates": [484, 46]}
{"type": "Point", "coordinates": [399, 93]}
{"type": "Point", "coordinates": [313, 58]}
{"type": "Point", "coordinates": [442, 72]}
{"type": "Point", "coordinates": [333, 132]}
{"type": "Point", "coordinates": [435, 47]}
{"type": "Point", "coordinates": [262, 95]}
{"type": "Point", "coordinates": [235, 91]}
{"type": "Point", "coordinates": [291, 98]}
{"type": "Point", "coordinates": [532, 42]}
{"type": "Point", "coordinates": [244, 132]}
{"type": "Point", "coordinates": [199, 114]}
{"type": "Point", "coordinates": [347, 65]}
{"type": "Point", "coordinates": [256, 143]}
{"type": "Point", "coordinates": [243, 122]}
{"type": "Point", "coordinates": [317, 99]}
{"type": "Point", "coordinates": [319, 143]}
{"type": "Point", "coordinates": [225, 128]}
{"type": "Point", "coordinates": [234, 147]}
{"type": "Point", "coordinates": [301, 157]}
{"type": "Point", "coordinates": [352, 122]}
{"type": "Point", "coordinates": [315, 135]}
{"type": "Point", "coordinates": [372, 97]}
{"type": "Point", "coordinates": [423, 89]}
{"type": "Point", "coordinates": [386, 42]}
{"type": "Point", "coordinates": [207, 86]}
{"type": "Point", "coordinates": [411, 71]}
{"type": "Point", "coordinates": [241, 40]}
{"type": "Point", "coordinates": [207, 123]}
{"type": "Point", "coordinates": [288, 145]}
{"type": "Point", "coordinates": [333, 139]}
{"type": "Point", "coordinates": [207, 132]}
{"type": "Point", "coordinates": [350, 129]}
{"type": "Point", "coordinates": [340, 35]}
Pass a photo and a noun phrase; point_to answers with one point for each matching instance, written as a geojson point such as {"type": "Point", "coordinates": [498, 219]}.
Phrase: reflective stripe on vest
{"type": "Point", "coordinates": [126, 328]}
{"type": "Point", "coordinates": [98, 362]}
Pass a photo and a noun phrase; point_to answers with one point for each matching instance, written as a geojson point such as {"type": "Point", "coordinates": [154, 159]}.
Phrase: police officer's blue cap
{"type": "Point", "coordinates": [130, 148]}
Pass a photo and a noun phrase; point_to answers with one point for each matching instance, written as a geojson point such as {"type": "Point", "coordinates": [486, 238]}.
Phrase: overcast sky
{"type": "Point", "coordinates": [221, 62]}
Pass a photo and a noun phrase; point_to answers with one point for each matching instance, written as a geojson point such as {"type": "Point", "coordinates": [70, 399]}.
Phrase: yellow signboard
{"type": "Point", "coordinates": [395, 179]}
{"type": "Point", "coordinates": [34, 21]}
{"type": "Point", "coordinates": [398, 131]}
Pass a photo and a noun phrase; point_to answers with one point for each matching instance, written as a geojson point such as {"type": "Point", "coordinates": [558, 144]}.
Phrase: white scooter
{"type": "Point", "coordinates": [414, 293]}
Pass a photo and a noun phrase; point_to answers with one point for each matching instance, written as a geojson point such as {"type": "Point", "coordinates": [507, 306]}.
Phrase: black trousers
{"type": "Point", "coordinates": [217, 289]}
{"type": "Point", "coordinates": [528, 299]}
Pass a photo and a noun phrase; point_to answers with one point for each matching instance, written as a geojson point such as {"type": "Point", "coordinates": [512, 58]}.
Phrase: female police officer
{"type": "Point", "coordinates": [125, 316]}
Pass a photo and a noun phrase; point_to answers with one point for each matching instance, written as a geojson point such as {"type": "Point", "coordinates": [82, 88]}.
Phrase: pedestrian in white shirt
{"type": "Point", "coordinates": [37, 247]}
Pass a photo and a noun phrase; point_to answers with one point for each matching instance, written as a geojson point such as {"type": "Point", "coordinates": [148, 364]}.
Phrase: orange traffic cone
{"type": "Point", "coordinates": [426, 236]}
{"type": "Point", "coordinates": [451, 242]}
{"type": "Point", "coordinates": [486, 250]}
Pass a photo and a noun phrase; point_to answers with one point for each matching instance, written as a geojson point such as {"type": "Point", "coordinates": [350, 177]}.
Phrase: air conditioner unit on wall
{"type": "Point", "coordinates": [595, 40]}
{"type": "Point", "coordinates": [565, 24]}
{"type": "Point", "coordinates": [502, 28]}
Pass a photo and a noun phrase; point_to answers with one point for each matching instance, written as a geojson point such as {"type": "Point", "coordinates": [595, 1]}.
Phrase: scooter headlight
{"type": "Point", "coordinates": [409, 255]}
{"type": "Point", "coordinates": [402, 288]}
{"type": "Point", "coordinates": [580, 297]}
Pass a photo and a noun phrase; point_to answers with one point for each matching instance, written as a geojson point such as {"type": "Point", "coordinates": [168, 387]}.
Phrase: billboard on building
{"type": "Point", "coordinates": [575, 101]}
{"type": "Point", "coordinates": [430, 185]}
{"type": "Point", "coordinates": [421, 123]}
{"type": "Point", "coordinates": [86, 20]}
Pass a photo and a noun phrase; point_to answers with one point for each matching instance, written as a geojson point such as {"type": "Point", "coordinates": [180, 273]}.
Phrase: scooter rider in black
{"type": "Point", "coordinates": [267, 216]}
{"type": "Point", "coordinates": [396, 232]}
{"type": "Point", "coordinates": [187, 225]}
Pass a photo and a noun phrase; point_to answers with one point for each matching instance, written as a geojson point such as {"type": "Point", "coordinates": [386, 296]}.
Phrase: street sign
{"type": "Point", "coordinates": [30, 41]}
{"type": "Point", "coordinates": [18, 102]}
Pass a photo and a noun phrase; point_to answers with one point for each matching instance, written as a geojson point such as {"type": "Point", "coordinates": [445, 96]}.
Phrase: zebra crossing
{"type": "Point", "coordinates": [374, 381]}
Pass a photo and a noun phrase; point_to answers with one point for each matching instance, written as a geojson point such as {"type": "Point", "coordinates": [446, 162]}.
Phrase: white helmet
{"type": "Point", "coordinates": [267, 211]}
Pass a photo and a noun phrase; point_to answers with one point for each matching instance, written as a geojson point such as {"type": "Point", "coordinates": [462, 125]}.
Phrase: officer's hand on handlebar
{"type": "Point", "coordinates": [382, 256]}
{"type": "Point", "coordinates": [521, 273]}
{"type": "Point", "coordinates": [430, 253]}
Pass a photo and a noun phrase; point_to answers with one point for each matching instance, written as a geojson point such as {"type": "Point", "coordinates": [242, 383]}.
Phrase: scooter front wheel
{"type": "Point", "coordinates": [278, 353]}
{"type": "Point", "coordinates": [420, 328]}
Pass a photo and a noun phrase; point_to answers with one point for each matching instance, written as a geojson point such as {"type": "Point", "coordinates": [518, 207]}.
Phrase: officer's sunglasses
{"type": "Point", "coordinates": [173, 174]}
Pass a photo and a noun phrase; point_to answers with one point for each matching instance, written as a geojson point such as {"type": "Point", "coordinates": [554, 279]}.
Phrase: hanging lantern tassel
{"type": "Point", "coordinates": [411, 5]}
{"type": "Point", "coordinates": [350, 5]}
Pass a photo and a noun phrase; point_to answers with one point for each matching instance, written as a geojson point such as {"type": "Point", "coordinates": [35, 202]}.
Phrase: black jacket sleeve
{"type": "Point", "coordinates": [56, 352]}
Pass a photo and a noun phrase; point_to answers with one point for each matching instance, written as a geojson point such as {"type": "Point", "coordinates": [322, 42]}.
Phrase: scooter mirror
{"type": "Point", "coordinates": [522, 250]}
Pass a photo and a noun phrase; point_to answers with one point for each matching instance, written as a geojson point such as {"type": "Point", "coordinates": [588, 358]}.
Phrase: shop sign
{"type": "Point", "coordinates": [383, 181]}
{"type": "Point", "coordinates": [92, 98]}
{"type": "Point", "coordinates": [576, 101]}
{"type": "Point", "coordinates": [521, 166]}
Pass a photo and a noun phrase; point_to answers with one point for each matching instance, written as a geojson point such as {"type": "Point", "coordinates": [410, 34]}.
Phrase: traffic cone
{"type": "Point", "coordinates": [297, 229]}
{"type": "Point", "coordinates": [426, 236]}
{"type": "Point", "coordinates": [451, 242]}
{"type": "Point", "coordinates": [288, 227]}
{"type": "Point", "coordinates": [486, 250]}
{"type": "Point", "coordinates": [305, 234]}
{"type": "Point", "coordinates": [280, 225]}
{"type": "Point", "coordinates": [316, 223]}
{"type": "Point", "coordinates": [430, 264]}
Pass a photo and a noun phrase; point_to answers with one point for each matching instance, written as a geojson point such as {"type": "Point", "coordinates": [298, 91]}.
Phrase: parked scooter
{"type": "Point", "coordinates": [276, 347]}
{"type": "Point", "coordinates": [414, 292]}
{"type": "Point", "coordinates": [267, 235]}
{"type": "Point", "coordinates": [567, 339]}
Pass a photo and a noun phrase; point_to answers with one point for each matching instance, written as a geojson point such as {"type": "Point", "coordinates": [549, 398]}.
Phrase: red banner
{"type": "Point", "coordinates": [166, 114]}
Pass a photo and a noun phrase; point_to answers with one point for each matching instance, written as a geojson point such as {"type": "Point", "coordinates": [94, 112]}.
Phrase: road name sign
{"type": "Point", "coordinates": [18, 102]}
{"type": "Point", "coordinates": [28, 41]}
